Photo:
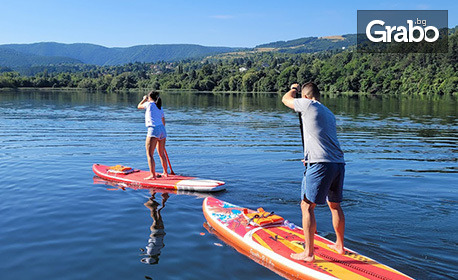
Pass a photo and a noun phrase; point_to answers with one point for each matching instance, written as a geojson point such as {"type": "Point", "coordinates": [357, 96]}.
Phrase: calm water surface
{"type": "Point", "coordinates": [57, 222]}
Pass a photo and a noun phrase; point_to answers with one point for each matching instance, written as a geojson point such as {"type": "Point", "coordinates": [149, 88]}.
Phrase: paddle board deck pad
{"type": "Point", "coordinates": [272, 244]}
{"type": "Point", "coordinates": [135, 177]}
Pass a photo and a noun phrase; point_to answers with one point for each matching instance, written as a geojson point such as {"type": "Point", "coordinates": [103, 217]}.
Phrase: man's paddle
{"type": "Point", "coordinates": [298, 95]}
{"type": "Point", "coordinates": [168, 161]}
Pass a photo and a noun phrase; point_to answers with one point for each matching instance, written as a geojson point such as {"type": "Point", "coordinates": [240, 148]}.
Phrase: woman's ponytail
{"type": "Point", "coordinates": [159, 102]}
{"type": "Point", "coordinates": [154, 95]}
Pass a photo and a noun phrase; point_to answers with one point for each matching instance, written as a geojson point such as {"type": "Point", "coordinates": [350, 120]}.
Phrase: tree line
{"type": "Point", "coordinates": [334, 71]}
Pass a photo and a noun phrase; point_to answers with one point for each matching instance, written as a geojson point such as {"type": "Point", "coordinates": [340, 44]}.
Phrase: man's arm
{"type": "Point", "coordinates": [288, 98]}
{"type": "Point", "coordinates": [140, 105]}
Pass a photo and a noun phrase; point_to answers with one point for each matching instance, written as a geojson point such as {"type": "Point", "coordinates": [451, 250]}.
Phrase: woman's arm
{"type": "Point", "coordinates": [140, 105]}
{"type": "Point", "coordinates": [163, 121]}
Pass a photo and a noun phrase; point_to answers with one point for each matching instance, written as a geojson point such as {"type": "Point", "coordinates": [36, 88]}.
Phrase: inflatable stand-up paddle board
{"type": "Point", "coordinates": [135, 177]}
{"type": "Point", "coordinates": [115, 186]}
{"type": "Point", "coordinates": [269, 240]}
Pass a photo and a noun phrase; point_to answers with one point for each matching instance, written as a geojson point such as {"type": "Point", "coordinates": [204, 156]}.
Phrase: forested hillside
{"type": "Point", "coordinates": [99, 55]}
{"type": "Point", "coordinates": [334, 71]}
{"type": "Point", "coordinates": [50, 53]}
{"type": "Point", "coordinates": [14, 59]}
{"type": "Point", "coordinates": [312, 44]}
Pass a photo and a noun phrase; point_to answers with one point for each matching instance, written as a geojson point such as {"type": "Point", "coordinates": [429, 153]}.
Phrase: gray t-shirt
{"type": "Point", "coordinates": [320, 133]}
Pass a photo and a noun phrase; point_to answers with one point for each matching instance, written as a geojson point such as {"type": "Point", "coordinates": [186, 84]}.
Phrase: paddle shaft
{"type": "Point", "coordinates": [298, 95]}
{"type": "Point", "coordinates": [168, 161]}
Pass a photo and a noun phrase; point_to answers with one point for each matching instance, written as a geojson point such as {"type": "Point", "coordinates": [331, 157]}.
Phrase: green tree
{"type": "Point", "coordinates": [248, 81]}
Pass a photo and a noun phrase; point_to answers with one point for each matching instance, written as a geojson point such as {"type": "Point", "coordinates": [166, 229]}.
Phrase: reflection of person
{"type": "Point", "coordinates": [156, 240]}
{"type": "Point", "coordinates": [324, 176]}
{"type": "Point", "coordinates": [155, 122]}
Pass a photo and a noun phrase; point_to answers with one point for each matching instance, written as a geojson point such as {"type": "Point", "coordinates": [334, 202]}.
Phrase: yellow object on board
{"type": "Point", "coordinates": [120, 169]}
{"type": "Point", "coordinates": [262, 218]}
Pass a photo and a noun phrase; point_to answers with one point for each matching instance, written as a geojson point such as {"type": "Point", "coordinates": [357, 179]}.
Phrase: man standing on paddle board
{"type": "Point", "coordinates": [155, 122]}
{"type": "Point", "coordinates": [324, 175]}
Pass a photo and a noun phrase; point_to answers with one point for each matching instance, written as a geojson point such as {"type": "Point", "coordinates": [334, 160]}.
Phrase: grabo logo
{"type": "Point", "coordinates": [402, 33]}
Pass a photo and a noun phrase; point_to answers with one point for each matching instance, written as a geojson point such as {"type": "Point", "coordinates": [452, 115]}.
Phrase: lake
{"type": "Point", "coordinates": [59, 222]}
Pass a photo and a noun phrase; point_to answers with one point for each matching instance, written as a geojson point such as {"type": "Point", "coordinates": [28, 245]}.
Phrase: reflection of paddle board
{"type": "Point", "coordinates": [271, 246]}
{"type": "Point", "coordinates": [174, 182]}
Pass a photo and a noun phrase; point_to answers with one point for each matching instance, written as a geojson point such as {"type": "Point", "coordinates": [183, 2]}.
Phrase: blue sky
{"type": "Point", "coordinates": [212, 23]}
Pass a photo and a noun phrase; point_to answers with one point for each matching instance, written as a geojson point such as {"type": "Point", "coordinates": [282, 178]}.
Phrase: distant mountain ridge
{"type": "Point", "coordinates": [311, 44]}
{"type": "Point", "coordinates": [13, 58]}
{"type": "Point", "coordinates": [100, 55]}
{"type": "Point", "coordinates": [51, 53]}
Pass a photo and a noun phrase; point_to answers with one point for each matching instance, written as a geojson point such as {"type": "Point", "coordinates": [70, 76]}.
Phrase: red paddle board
{"type": "Point", "coordinates": [173, 182]}
{"type": "Point", "coordinates": [271, 246]}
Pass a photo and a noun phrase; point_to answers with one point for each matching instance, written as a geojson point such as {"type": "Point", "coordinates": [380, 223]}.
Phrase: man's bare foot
{"type": "Point", "coordinates": [150, 177]}
{"type": "Point", "coordinates": [165, 174]}
{"type": "Point", "coordinates": [336, 248]}
{"type": "Point", "coordinates": [303, 257]}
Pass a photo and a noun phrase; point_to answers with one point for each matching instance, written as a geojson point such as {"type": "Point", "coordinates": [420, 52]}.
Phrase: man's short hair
{"type": "Point", "coordinates": [310, 90]}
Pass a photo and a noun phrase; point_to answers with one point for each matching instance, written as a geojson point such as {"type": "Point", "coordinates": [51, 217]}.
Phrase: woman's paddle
{"type": "Point", "coordinates": [168, 161]}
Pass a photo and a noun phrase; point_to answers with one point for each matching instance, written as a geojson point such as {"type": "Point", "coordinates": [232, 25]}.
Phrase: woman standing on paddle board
{"type": "Point", "coordinates": [155, 122]}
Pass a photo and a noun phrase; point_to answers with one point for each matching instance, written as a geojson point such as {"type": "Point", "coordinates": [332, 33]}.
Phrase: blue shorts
{"type": "Point", "coordinates": [323, 180]}
{"type": "Point", "coordinates": [157, 131]}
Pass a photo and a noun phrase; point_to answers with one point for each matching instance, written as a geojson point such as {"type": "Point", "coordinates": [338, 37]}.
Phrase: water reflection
{"type": "Point", "coordinates": [383, 106]}
{"type": "Point", "coordinates": [156, 238]}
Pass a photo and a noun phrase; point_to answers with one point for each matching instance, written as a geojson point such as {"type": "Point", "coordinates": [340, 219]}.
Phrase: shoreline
{"type": "Point", "coordinates": [136, 90]}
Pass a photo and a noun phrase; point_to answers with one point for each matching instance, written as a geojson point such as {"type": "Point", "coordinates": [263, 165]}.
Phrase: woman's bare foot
{"type": "Point", "coordinates": [303, 257]}
{"type": "Point", "coordinates": [150, 177]}
{"type": "Point", "coordinates": [165, 174]}
{"type": "Point", "coordinates": [336, 248]}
